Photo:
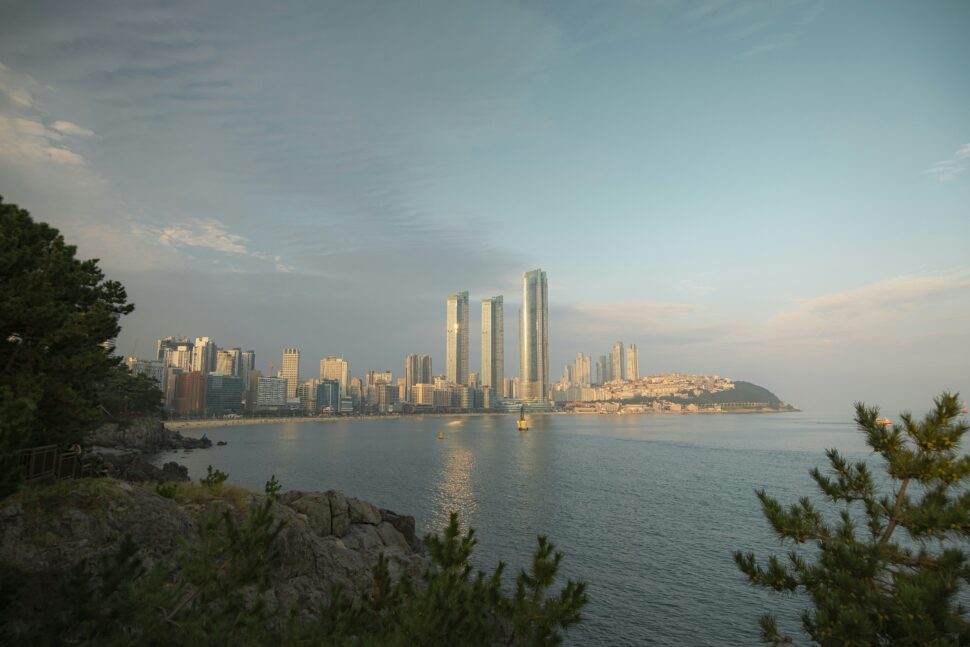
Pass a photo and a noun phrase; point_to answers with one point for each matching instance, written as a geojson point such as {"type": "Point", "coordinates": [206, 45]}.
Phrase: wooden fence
{"type": "Point", "coordinates": [48, 463]}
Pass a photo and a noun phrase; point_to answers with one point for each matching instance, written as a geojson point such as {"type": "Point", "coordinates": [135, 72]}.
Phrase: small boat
{"type": "Point", "coordinates": [441, 435]}
{"type": "Point", "coordinates": [884, 422]}
{"type": "Point", "coordinates": [523, 425]}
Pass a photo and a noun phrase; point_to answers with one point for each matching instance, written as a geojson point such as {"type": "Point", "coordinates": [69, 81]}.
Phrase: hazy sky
{"type": "Point", "coordinates": [776, 190]}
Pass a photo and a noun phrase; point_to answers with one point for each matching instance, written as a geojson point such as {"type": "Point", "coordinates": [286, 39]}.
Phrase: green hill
{"type": "Point", "coordinates": [743, 392]}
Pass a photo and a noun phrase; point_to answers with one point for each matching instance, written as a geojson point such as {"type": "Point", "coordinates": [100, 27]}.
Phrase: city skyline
{"type": "Point", "coordinates": [774, 190]}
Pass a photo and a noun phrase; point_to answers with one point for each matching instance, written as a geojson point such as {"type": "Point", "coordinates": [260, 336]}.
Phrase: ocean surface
{"type": "Point", "coordinates": [646, 508]}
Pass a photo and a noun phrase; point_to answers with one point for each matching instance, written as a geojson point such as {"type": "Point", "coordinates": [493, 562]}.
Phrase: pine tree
{"type": "Point", "coordinates": [57, 314]}
{"type": "Point", "coordinates": [895, 576]}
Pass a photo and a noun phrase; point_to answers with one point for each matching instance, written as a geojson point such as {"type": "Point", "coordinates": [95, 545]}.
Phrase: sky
{"type": "Point", "coordinates": [775, 191]}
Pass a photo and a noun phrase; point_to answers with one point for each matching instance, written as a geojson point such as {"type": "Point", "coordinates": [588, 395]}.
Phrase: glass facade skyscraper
{"type": "Point", "coordinates": [493, 343]}
{"type": "Point", "coordinates": [456, 339]}
{"type": "Point", "coordinates": [534, 337]}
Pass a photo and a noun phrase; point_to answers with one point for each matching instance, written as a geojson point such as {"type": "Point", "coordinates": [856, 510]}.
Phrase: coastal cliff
{"type": "Point", "coordinates": [327, 539]}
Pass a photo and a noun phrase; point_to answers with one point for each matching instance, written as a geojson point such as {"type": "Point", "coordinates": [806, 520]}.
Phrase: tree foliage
{"type": "Point", "coordinates": [57, 314]}
{"type": "Point", "coordinates": [124, 396]}
{"type": "Point", "coordinates": [452, 605]}
{"type": "Point", "coordinates": [890, 566]}
{"type": "Point", "coordinates": [214, 595]}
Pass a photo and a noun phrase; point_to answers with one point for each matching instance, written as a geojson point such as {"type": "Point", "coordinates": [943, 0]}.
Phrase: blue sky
{"type": "Point", "coordinates": [776, 191]}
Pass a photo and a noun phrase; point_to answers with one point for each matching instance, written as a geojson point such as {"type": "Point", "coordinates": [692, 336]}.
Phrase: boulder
{"type": "Point", "coordinates": [404, 524]}
{"type": "Point", "coordinates": [363, 512]}
{"type": "Point", "coordinates": [316, 507]}
{"type": "Point", "coordinates": [339, 513]}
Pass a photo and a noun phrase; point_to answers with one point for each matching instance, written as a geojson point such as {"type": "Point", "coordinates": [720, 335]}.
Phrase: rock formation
{"type": "Point", "coordinates": [144, 434]}
{"type": "Point", "coordinates": [328, 538]}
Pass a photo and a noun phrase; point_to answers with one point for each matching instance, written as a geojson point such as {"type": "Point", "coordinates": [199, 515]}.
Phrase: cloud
{"type": "Point", "coordinates": [949, 169]}
{"type": "Point", "coordinates": [67, 128]}
{"type": "Point", "coordinates": [14, 87]}
{"type": "Point", "coordinates": [26, 140]}
{"type": "Point", "coordinates": [23, 135]}
{"type": "Point", "coordinates": [775, 44]}
{"type": "Point", "coordinates": [868, 313]}
{"type": "Point", "coordinates": [207, 234]}
{"type": "Point", "coordinates": [212, 235]}
{"type": "Point", "coordinates": [760, 26]}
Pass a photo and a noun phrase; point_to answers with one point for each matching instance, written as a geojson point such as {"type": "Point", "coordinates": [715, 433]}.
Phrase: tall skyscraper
{"type": "Point", "coordinates": [632, 363]}
{"type": "Point", "coordinates": [617, 368]}
{"type": "Point", "coordinates": [581, 371]}
{"type": "Point", "coordinates": [456, 338]}
{"type": "Point", "coordinates": [417, 370]}
{"type": "Point", "coordinates": [602, 370]}
{"type": "Point", "coordinates": [204, 355]}
{"type": "Point", "coordinates": [291, 371]}
{"type": "Point", "coordinates": [534, 337]}
{"type": "Point", "coordinates": [335, 368]}
{"type": "Point", "coordinates": [493, 343]}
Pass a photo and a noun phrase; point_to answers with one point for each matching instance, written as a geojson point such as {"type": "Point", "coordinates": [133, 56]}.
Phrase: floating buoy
{"type": "Point", "coordinates": [441, 435]}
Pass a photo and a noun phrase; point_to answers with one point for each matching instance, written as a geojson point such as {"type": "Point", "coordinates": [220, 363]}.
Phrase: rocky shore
{"type": "Point", "coordinates": [149, 435]}
{"type": "Point", "coordinates": [328, 538]}
{"type": "Point", "coordinates": [125, 451]}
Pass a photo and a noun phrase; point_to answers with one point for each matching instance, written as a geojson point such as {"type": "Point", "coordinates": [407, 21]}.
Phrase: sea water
{"type": "Point", "coordinates": [646, 508]}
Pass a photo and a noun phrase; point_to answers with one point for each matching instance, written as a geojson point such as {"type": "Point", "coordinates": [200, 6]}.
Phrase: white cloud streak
{"type": "Point", "coordinates": [67, 128]}
{"type": "Point", "coordinates": [949, 169]}
{"type": "Point", "coordinates": [207, 234]}
{"type": "Point", "coordinates": [212, 235]}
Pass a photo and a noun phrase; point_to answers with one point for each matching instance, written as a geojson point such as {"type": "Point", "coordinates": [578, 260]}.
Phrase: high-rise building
{"type": "Point", "coordinates": [224, 393]}
{"type": "Point", "coordinates": [493, 342]}
{"type": "Point", "coordinates": [204, 355]}
{"type": "Point", "coordinates": [417, 370]}
{"type": "Point", "coordinates": [181, 357]}
{"type": "Point", "coordinates": [336, 368]}
{"type": "Point", "coordinates": [617, 367]}
{"type": "Point", "coordinates": [423, 394]}
{"type": "Point", "coordinates": [602, 370]}
{"type": "Point", "coordinates": [225, 363]}
{"type": "Point", "coordinates": [190, 394]}
{"type": "Point", "coordinates": [456, 338]}
{"type": "Point", "coordinates": [581, 371]}
{"type": "Point", "coordinates": [291, 371]}
{"type": "Point", "coordinates": [373, 378]}
{"type": "Point", "coordinates": [247, 362]}
{"type": "Point", "coordinates": [328, 396]}
{"type": "Point", "coordinates": [632, 363]}
{"type": "Point", "coordinates": [271, 392]}
{"type": "Point", "coordinates": [154, 369]}
{"type": "Point", "coordinates": [306, 392]}
{"type": "Point", "coordinates": [534, 337]}
{"type": "Point", "coordinates": [166, 349]}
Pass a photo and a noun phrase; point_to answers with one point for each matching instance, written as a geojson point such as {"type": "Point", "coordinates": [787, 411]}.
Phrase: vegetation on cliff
{"type": "Point", "coordinates": [222, 582]}
{"type": "Point", "coordinates": [868, 585]}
